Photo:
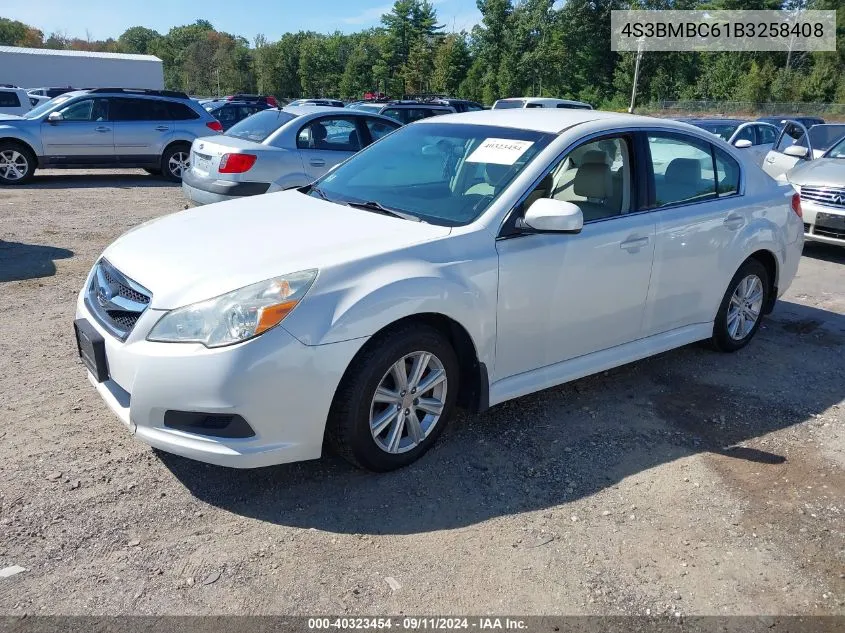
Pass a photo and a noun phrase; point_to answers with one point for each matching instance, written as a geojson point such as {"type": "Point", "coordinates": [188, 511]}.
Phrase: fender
{"type": "Point", "coordinates": [359, 299]}
{"type": "Point", "coordinates": [24, 134]}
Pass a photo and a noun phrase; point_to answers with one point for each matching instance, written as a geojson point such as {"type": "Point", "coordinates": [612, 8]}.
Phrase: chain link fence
{"type": "Point", "coordinates": [748, 108]}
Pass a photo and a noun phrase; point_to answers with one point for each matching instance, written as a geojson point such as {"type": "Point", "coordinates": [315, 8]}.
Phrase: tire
{"type": "Point", "coordinates": [741, 310]}
{"type": "Point", "coordinates": [153, 172]}
{"type": "Point", "coordinates": [17, 164]}
{"type": "Point", "coordinates": [174, 160]}
{"type": "Point", "coordinates": [354, 406]}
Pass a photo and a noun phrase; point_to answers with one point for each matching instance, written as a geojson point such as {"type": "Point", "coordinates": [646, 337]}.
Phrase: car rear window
{"type": "Point", "coordinates": [508, 104]}
{"type": "Point", "coordinates": [822, 137]}
{"type": "Point", "coordinates": [9, 99]}
{"type": "Point", "coordinates": [260, 125]}
{"type": "Point", "coordinates": [181, 112]}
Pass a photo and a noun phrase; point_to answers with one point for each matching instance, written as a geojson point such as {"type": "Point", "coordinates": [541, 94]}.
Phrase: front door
{"type": "Point", "coordinates": [326, 142]}
{"type": "Point", "coordinates": [562, 296]}
{"type": "Point", "coordinates": [84, 136]}
{"type": "Point", "coordinates": [776, 163]}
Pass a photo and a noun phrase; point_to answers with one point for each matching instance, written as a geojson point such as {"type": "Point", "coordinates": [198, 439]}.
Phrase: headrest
{"type": "Point", "coordinates": [593, 180]}
{"type": "Point", "coordinates": [594, 156]}
{"type": "Point", "coordinates": [319, 132]}
{"type": "Point", "coordinates": [683, 170]}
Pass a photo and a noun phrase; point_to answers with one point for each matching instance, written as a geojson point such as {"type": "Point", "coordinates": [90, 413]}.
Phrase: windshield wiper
{"type": "Point", "coordinates": [372, 205]}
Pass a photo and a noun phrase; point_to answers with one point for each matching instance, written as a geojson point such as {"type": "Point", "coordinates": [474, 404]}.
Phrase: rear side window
{"type": "Point", "coordinates": [396, 113]}
{"type": "Point", "coordinates": [535, 105]}
{"type": "Point", "coordinates": [138, 110]}
{"type": "Point", "coordinates": [682, 169]}
{"type": "Point", "coordinates": [339, 134]}
{"type": "Point", "coordinates": [180, 112]}
{"type": "Point", "coordinates": [727, 174]}
{"type": "Point", "coordinates": [9, 99]}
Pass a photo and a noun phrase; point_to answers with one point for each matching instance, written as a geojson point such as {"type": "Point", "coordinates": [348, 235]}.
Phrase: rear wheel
{"type": "Point", "coordinates": [741, 310]}
{"type": "Point", "coordinates": [395, 399]}
{"type": "Point", "coordinates": [175, 162]}
{"type": "Point", "coordinates": [17, 164]}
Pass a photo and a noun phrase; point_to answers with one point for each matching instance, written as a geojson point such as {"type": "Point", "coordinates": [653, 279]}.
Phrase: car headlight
{"type": "Point", "coordinates": [235, 316]}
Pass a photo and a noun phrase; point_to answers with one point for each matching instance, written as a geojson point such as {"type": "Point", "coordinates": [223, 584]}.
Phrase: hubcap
{"type": "Point", "coordinates": [745, 306]}
{"type": "Point", "coordinates": [13, 165]}
{"type": "Point", "coordinates": [408, 402]}
{"type": "Point", "coordinates": [179, 163]}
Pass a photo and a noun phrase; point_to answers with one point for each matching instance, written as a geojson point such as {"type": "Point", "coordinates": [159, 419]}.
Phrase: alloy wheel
{"type": "Point", "coordinates": [179, 163]}
{"type": "Point", "coordinates": [408, 402]}
{"type": "Point", "coordinates": [13, 165]}
{"type": "Point", "coordinates": [745, 307]}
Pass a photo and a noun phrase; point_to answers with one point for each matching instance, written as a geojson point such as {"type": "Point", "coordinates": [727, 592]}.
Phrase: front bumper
{"type": "Point", "coordinates": [208, 190]}
{"type": "Point", "coordinates": [823, 223]}
{"type": "Point", "coordinates": [281, 387]}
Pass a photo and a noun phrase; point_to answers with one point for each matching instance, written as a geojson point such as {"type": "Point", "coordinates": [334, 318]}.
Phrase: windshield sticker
{"type": "Point", "coordinates": [499, 151]}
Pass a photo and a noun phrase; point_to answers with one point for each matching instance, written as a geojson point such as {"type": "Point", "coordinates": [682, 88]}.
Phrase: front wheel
{"type": "Point", "coordinates": [741, 310]}
{"type": "Point", "coordinates": [175, 162]}
{"type": "Point", "coordinates": [17, 164]}
{"type": "Point", "coordinates": [395, 399]}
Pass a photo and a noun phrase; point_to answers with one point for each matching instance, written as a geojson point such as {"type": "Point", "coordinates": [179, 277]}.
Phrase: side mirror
{"type": "Point", "coordinates": [798, 151]}
{"type": "Point", "coordinates": [55, 117]}
{"type": "Point", "coordinates": [555, 216]}
{"type": "Point", "coordinates": [742, 143]}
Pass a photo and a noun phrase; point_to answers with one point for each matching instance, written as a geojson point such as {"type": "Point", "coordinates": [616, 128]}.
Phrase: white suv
{"type": "Point", "coordinates": [463, 260]}
{"type": "Point", "coordinates": [14, 100]}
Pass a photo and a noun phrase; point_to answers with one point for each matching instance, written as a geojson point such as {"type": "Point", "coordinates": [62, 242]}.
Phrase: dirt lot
{"type": "Point", "coordinates": [692, 483]}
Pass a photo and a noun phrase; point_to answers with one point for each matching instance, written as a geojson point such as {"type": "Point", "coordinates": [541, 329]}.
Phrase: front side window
{"type": "Point", "coordinates": [682, 169]}
{"type": "Point", "coordinates": [338, 134]}
{"type": "Point", "coordinates": [445, 174]}
{"type": "Point", "coordinates": [596, 177]}
{"type": "Point", "coordinates": [87, 110]}
{"type": "Point", "coordinates": [792, 134]}
{"type": "Point", "coordinates": [745, 134]}
{"type": "Point", "coordinates": [767, 134]}
{"type": "Point", "coordinates": [45, 107]}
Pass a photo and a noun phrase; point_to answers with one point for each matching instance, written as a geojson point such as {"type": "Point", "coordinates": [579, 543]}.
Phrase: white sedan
{"type": "Point", "coordinates": [464, 260]}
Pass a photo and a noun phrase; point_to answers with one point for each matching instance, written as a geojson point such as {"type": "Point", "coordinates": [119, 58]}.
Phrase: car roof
{"type": "Point", "coordinates": [715, 120]}
{"type": "Point", "coordinates": [552, 120]}
{"type": "Point", "coordinates": [417, 104]}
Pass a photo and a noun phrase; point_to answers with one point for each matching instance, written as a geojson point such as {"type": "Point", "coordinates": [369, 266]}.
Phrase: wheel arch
{"type": "Point", "coordinates": [19, 141]}
{"type": "Point", "coordinates": [474, 383]}
{"type": "Point", "coordinates": [770, 263]}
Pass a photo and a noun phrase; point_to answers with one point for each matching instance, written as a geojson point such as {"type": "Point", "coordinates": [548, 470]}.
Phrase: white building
{"type": "Point", "coordinates": [42, 67]}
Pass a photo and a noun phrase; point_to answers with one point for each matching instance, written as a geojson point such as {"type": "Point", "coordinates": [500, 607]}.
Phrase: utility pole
{"type": "Point", "coordinates": [636, 76]}
{"type": "Point", "coordinates": [218, 82]}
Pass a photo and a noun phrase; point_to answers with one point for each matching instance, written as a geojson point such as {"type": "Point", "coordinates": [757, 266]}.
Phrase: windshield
{"type": "Point", "coordinates": [45, 107]}
{"type": "Point", "coordinates": [722, 130]}
{"type": "Point", "coordinates": [838, 150]}
{"type": "Point", "coordinates": [260, 125]}
{"type": "Point", "coordinates": [442, 173]}
{"type": "Point", "coordinates": [366, 107]}
{"type": "Point", "coordinates": [824, 136]}
{"type": "Point", "coordinates": [506, 104]}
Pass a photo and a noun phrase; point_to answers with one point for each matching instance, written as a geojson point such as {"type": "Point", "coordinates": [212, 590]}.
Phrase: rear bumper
{"type": "Point", "coordinates": [823, 223]}
{"type": "Point", "coordinates": [207, 190]}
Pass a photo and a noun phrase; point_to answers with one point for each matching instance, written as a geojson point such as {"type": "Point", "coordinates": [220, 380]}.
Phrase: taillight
{"type": "Point", "coordinates": [215, 125]}
{"type": "Point", "coordinates": [271, 101]}
{"type": "Point", "coordinates": [796, 205]}
{"type": "Point", "coordinates": [236, 163]}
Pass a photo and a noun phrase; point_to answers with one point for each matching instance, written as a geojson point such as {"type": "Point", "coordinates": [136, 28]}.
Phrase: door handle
{"type": "Point", "coordinates": [633, 243]}
{"type": "Point", "coordinates": [162, 128]}
{"type": "Point", "coordinates": [102, 128]}
{"type": "Point", "coordinates": [317, 162]}
{"type": "Point", "coordinates": [734, 221]}
{"type": "Point", "coordinates": [770, 159]}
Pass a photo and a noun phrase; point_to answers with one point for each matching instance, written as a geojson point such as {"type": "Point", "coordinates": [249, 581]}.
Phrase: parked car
{"type": "Point", "coordinates": [278, 149]}
{"type": "Point", "coordinates": [50, 92]}
{"type": "Point", "coordinates": [780, 121]}
{"type": "Point", "coordinates": [821, 183]}
{"type": "Point", "coordinates": [327, 103]}
{"type": "Point", "coordinates": [266, 100]}
{"type": "Point", "coordinates": [540, 102]}
{"type": "Point", "coordinates": [797, 143]}
{"type": "Point", "coordinates": [460, 105]}
{"type": "Point", "coordinates": [231, 112]}
{"type": "Point", "coordinates": [105, 128]}
{"type": "Point", "coordinates": [757, 136]}
{"type": "Point", "coordinates": [367, 106]}
{"type": "Point", "coordinates": [14, 101]}
{"type": "Point", "coordinates": [409, 111]}
{"type": "Point", "coordinates": [463, 260]}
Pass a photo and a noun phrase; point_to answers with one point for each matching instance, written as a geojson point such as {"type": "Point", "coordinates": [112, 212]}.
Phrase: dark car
{"type": "Point", "coordinates": [460, 105]}
{"type": "Point", "coordinates": [778, 121]}
{"type": "Point", "coordinates": [231, 112]}
{"type": "Point", "coordinates": [327, 103]}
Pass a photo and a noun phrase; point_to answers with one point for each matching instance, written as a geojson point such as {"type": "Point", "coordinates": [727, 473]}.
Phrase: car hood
{"type": "Point", "coordinates": [10, 117]}
{"type": "Point", "coordinates": [822, 172]}
{"type": "Point", "coordinates": [207, 251]}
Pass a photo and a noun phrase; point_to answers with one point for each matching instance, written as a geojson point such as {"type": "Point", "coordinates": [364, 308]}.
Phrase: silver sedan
{"type": "Point", "coordinates": [278, 149]}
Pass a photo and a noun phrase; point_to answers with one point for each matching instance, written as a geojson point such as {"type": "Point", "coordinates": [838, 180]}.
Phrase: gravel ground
{"type": "Point", "coordinates": [691, 483]}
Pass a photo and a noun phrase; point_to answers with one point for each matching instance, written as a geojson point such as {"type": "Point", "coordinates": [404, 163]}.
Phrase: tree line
{"type": "Point", "coordinates": [520, 48]}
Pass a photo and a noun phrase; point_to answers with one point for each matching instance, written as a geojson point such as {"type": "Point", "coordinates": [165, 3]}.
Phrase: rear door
{"type": "Point", "coordinates": [142, 129]}
{"type": "Point", "coordinates": [776, 163]}
{"type": "Point", "coordinates": [328, 141]}
{"type": "Point", "coordinates": [84, 136]}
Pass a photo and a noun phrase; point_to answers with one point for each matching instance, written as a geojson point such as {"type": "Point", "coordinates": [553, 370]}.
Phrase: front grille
{"type": "Point", "coordinates": [828, 196]}
{"type": "Point", "coordinates": [115, 301]}
{"type": "Point", "coordinates": [839, 234]}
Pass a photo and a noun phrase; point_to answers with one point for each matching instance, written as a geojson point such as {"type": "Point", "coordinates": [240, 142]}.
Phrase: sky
{"type": "Point", "coordinates": [102, 19]}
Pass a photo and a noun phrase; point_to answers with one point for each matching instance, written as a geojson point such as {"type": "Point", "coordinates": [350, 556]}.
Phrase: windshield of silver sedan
{"type": "Point", "coordinates": [440, 173]}
{"type": "Point", "coordinates": [838, 150]}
